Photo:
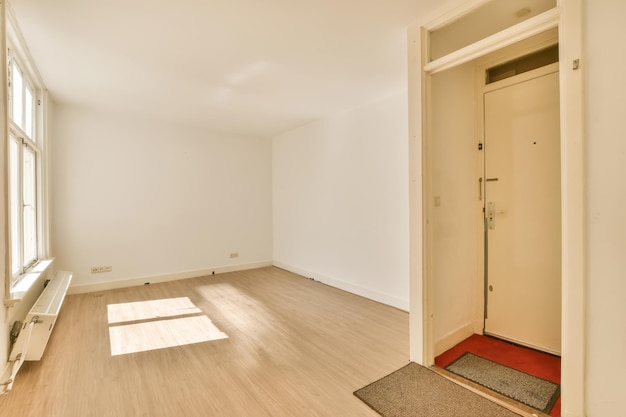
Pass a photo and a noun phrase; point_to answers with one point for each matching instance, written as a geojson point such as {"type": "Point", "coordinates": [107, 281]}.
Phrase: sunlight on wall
{"type": "Point", "coordinates": [153, 327]}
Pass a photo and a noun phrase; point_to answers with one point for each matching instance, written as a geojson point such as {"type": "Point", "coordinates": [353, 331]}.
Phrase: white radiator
{"type": "Point", "coordinates": [45, 312]}
{"type": "Point", "coordinates": [37, 327]}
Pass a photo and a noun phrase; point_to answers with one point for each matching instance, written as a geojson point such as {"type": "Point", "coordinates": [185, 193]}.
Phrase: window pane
{"type": "Point", "coordinates": [28, 112]}
{"type": "Point", "coordinates": [30, 206]}
{"type": "Point", "coordinates": [17, 106]}
{"type": "Point", "coordinates": [14, 178]}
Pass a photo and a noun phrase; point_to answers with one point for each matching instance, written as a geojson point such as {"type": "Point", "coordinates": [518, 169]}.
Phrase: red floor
{"type": "Point", "coordinates": [532, 362]}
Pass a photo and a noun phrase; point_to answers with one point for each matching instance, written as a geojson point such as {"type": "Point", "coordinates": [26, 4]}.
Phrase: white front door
{"type": "Point", "coordinates": [523, 210]}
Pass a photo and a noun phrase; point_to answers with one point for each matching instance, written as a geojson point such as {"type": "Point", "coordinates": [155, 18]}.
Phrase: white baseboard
{"type": "Point", "coordinates": [346, 286]}
{"type": "Point", "coordinates": [453, 338]}
{"type": "Point", "coordinates": [132, 282]}
{"type": "Point", "coordinates": [333, 282]}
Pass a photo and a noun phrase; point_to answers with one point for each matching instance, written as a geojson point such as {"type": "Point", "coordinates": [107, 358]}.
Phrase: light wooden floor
{"type": "Point", "coordinates": [295, 347]}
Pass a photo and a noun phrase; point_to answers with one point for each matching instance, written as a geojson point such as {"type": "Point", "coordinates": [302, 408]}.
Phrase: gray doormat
{"type": "Point", "coordinates": [416, 391]}
{"type": "Point", "coordinates": [520, 386]}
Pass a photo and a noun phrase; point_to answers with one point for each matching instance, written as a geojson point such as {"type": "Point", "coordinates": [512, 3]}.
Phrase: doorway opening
{"type": "Point", "coordinates": [439, 319]}
{"type": "Point", "coordinates": [465, 228]}
{"type": "Point", "coordinates": [458, 187]}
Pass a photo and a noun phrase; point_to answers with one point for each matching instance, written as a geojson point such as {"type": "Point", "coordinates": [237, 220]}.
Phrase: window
{"type": "Point", "coordinates": [24, 169]}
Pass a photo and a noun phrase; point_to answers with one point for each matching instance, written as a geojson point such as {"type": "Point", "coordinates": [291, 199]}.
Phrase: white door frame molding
{"type": "Point", "coordinates": [567, 17]}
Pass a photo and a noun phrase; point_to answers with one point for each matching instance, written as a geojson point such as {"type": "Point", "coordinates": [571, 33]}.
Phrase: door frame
{"type": "Point", "coordinates": [567, 17]}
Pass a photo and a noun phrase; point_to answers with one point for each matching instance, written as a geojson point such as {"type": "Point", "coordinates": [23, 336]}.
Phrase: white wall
{"type": "Point", "coordinates": [604, 64]}
{"type": "Point", "coordinates": [341, 200]}
{"type": "Point", "coordinates": [153, 199]}
{"type": "Point", "coordinates": [455, 222]}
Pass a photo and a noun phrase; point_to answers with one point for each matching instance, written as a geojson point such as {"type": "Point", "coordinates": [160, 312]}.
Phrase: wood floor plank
{"type": "Point", "coordinates": [295, 347]}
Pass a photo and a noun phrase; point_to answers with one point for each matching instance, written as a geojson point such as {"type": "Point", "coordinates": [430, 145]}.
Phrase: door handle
{"type": "Point", "coordinates": [491, 215]}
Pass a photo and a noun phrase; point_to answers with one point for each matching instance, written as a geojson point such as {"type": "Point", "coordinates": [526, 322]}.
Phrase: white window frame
{"type": "Point", "coordinates": [23, 145]}
{"type": "Point", "coordinates": [18, 283]}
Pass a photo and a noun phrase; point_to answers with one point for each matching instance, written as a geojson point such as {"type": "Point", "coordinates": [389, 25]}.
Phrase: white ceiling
{"type": "Point", "coordinates": [255, 67]}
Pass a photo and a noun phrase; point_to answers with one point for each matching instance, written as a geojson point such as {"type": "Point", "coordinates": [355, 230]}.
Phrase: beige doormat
{"type": "Point", "coordinates": [517, 385]}
{"type": "Point", "coordinates": [416, 391]}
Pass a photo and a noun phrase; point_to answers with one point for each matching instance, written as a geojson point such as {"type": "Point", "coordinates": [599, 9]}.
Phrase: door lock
{"type": "Point", "coordinates": [491, 215]}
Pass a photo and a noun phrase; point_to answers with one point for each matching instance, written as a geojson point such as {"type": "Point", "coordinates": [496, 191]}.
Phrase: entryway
{"type": "Point", "coordinates": [447, 219]}
{"type": "Point", "coordinates": [496, 205]}
{"type": "Point", "coordinates": [488, 246]}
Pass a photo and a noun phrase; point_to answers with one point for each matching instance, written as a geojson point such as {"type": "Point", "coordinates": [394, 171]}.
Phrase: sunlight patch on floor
{"type": "Point", "coordinates": [151, 309]}
{"type": "Point", "coordinates": [156, 325]}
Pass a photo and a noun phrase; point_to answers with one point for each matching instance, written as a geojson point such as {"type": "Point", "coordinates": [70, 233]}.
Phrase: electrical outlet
{"type": "Point", "coordinates": [99, 269]}
{"type": "Point", "coordinates": [234, 255]}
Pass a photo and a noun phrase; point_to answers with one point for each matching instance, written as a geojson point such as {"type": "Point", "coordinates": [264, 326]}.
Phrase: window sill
{"type": "Point", "coordinates": [28, 280]}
